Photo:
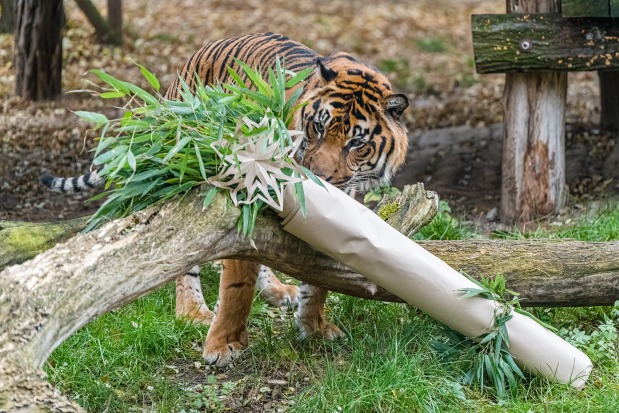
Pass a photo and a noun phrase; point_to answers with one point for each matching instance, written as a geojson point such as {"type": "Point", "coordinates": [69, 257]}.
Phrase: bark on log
{"type": "Point", "coordinates": [45, 300]}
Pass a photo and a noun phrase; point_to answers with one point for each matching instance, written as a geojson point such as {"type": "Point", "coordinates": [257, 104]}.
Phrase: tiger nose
{"type": "Point", "coordinates": [320, 173]}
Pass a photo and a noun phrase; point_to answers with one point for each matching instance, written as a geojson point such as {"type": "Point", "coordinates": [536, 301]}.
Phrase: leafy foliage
{"type": "Point", "coordinates": [163, 148]}
{"type": "Point", "coordinates": [488, 359]}
{"type": "Point", "coordinates": [601, 344]}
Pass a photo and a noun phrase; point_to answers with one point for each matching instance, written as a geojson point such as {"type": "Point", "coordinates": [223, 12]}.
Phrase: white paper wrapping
{"type": "Point", "coordinates": [345, 230]}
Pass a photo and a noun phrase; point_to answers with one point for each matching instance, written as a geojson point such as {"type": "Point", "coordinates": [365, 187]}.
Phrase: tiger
{"type": "Point", "coordinates": [352, 137]}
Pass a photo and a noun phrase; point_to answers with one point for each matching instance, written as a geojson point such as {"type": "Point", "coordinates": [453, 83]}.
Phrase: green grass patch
{"type": "Point", "coordinates": [139, 358]}
{"type": "Point", "coordinates": [432, 44]}
{"type": "Point", "coordinates": [445, 226]}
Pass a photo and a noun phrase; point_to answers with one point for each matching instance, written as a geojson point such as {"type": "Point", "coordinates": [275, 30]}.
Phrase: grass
{"type": "Point", "coordinates": [139, 358]}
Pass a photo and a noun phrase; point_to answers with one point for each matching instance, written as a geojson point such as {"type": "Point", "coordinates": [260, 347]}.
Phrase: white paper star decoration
{"type": "Point", "coordinates": [257, 164]}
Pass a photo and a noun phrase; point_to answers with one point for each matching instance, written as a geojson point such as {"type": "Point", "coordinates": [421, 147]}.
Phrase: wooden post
{"type": "Point", "coordinates": [533, 169]}
{"type": "Point", "coordinates": [609, 99]}
{"type": "Point", "coordinates": [38, 48]}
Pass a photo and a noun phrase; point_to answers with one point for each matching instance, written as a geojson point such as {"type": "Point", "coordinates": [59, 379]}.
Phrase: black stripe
{"type": "Point", "coordinates": [87, 180]}
{"type": "Point", "coordinates": [239, 285]}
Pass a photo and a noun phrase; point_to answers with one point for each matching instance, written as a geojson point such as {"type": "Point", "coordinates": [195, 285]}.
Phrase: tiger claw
{"type": "Point", "coordinates": [221, 354]}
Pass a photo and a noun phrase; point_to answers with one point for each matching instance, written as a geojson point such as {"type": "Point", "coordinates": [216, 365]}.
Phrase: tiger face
{"type": "Point", "coordinates": [353, 135]}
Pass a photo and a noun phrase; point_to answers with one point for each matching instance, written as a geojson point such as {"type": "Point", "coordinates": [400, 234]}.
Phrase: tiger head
{"type": "Point", "coordinates": [352, 133]}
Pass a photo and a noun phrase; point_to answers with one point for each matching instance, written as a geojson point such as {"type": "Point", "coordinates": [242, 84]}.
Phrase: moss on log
{"type": "Point", "coordinates": [21, 241]}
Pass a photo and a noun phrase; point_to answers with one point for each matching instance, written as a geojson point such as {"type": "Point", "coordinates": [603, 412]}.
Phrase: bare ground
{"type": "Point", "coordinates": [423, 46]}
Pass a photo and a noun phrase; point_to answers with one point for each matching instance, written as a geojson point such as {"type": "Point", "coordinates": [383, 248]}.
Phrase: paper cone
{"type": "Point", "coordinates": [345, 230]}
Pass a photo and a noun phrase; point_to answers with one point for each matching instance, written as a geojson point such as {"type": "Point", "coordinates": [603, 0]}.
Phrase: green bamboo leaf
{"type": "Point", "coordinates": [93, 117]}
{"type": "Point", "coordinates": [488, 337]}
{"type": "Point", "coordinates": [528, 314]}
{"type": "Point", "coordinates": [142, 94]}
{"type": "Point", "coordinates": [131, 160]}
{"type": "Point", "coordinates": [119, 85]}
{"type": "Point", "coordinates": [300, 195]}
{"type": "Point", "coordinates": [112, 95]}
{"type": "Point", "coordinates": [510, 361]}
{"type": "Point", "coordinates": [142, 176]}
{"type": "Point", "coordinates": [111, 154]}
{"type": "Point", "coordinates": [311, 175]}
{"type": "Point", "coordinates": [180, 145]}
{"type": "Point", "coordinates": [473, 292]}
{"type": "Point", "coordinates": [121, 164]}
{"type": "Point", "coordinates": [200, 162]}
{"type": "Point", "coordinates": [246, 214]}
{"type": "Point", "coordinates": [184, 164]}
{"type": "Point", "coordinates": [209, 197]}
{"type": "Point", "coordinates": [150, 78]}
{"type": "Point", "coordinates": [235, 76]}
{"type": "Point", "coordinates": [299, 77]}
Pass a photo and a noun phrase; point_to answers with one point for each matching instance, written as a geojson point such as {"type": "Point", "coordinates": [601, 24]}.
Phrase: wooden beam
{"type": "Point", "coordinates": [542, 42]}
{"type": "Point", "coordinates": [585, 8]}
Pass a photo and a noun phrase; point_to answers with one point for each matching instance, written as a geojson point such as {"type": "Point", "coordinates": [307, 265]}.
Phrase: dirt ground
{"type": "Point", "coordinates": [423, 46]}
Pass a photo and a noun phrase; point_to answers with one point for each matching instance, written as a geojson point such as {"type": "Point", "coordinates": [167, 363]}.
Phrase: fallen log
{"type": "Point", "coordinates": [45, 300]}
{"type": "Point", "coordinates": [547, 273]}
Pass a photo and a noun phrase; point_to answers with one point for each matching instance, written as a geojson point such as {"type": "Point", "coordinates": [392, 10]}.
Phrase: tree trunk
{"type": "Point", "coordinates": [7, 18]}
{"type": "Point", "coordinates": [38, 49]}
{"type": "Point", "coordinates": [45, 300]}
{"type": "Point", "coordinates": [609, 85]}
{"type": "Point", "coordinates": [104, 30]}
{"type": "Point", "coordinates": [533, 169]}
{"type": "Point", "coordinates": [115, 18]}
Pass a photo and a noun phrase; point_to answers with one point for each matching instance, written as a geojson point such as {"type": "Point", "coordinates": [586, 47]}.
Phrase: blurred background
{"type": "Point", "coordinates": [423, 46]}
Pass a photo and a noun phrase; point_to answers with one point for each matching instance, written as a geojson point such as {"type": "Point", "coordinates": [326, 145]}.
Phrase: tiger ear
{"type": "Point", "coordinates": [395, 105]}
{"type": "Point", "coordinates": [326, 72]}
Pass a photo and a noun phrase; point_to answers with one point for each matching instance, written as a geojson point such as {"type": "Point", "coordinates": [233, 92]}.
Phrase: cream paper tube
{"type": "Point", "coordinates": [345, 230]}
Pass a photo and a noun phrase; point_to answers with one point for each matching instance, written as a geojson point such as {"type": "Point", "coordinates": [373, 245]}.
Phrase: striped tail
{"type": "Point", "coordinates": [74, 184]}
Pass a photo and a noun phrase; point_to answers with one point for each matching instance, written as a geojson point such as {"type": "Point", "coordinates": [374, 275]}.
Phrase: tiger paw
{"type": "Point", "coordinates": [275, 292]}
{"type": "Point", "coordinates": [222, 352]}
{"type": "Point", "coordinates": [286, 296]}
{"type": "Point", "coordinates": [199, 315]}
{"type": "Point", "coordinates": [322, 329]}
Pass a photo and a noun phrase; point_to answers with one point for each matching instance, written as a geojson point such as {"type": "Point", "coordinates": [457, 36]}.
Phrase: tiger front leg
{"type": "Point", "coordinates": [228, 335]}
{"type": "Point", "coordinates": [310, 314]}
{"type": "Point", "coordinates": [190, 304]}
